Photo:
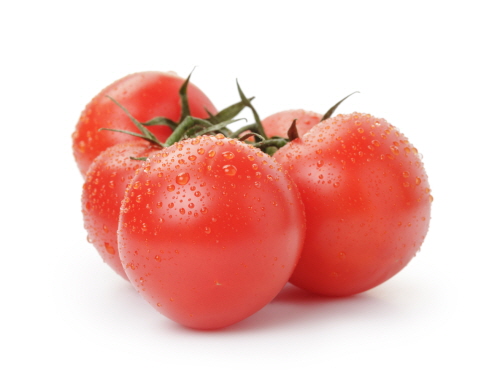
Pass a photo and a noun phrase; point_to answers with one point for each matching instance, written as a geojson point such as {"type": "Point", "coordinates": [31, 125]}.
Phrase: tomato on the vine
{"type": "Point", "coordinates": [210, 231]}
{"type": "Point", "coordinates": [145, 95]}
{"type": "Point", "coordinates": [104, 189]}
{"type": "Point", "coordinates": [367, 201]}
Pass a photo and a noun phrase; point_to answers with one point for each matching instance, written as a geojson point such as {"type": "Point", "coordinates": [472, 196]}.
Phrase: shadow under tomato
{"type": "Point", "coordinates": [298, 308]}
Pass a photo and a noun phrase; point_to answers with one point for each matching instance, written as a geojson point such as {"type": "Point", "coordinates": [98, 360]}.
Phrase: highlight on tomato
{"type": "Point", "coordinates": [210, 231]}
{"type": "Point", "coordinates": [367, 200]}
{"type": "Point", "coordinates": [152, 96]}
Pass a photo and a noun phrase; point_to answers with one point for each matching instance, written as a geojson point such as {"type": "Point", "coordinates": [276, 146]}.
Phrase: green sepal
{"type": "Point", "coordinates": [329, 113]}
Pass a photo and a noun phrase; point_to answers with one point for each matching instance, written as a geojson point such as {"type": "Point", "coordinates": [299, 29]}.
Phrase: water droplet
{"type": "Point", "coordinates": [376, 143]}
{"type": "Point", "coordinates": [182, 178]}
{"type": "Point", "coordinates": [137, 185]}
{"type": "Point", "coordinates": [257, 184]}
{"type": "Point", "coordinates": [201, 151]}
{"type": "Point", "coordinates": [406, 174]}
{"type": "Point", "coordinates": [336, 184]}
{"type": "Point", "coordinates": [211, 153]}
{"type": "Point", "coordinates": [182, 211]}
{"type": "Point", "coordinates": [208, 230]}
{"type": "Point", "coordinates": [341, 255]}
{"type": "Point", "coordinates": [110, 249]}
{"type": "Point", "coordinates": [197, 193]}
{"type": "Point", "coordinates": [229, 170]}
{"type": "Point", "coordinates": [170, 188]}
{"type": "Point", "coordinates": [192, 157]}
{"type": "Point", "coordinates": [228, 155]}
{"type": "Point", "coordinates": [105, 228]}
{"type": "Point", "coordinates": [138, 199]}
{"type": "Point", "coordinates": [395, 150]}
{"type": "Point", "coordinates": [417, 181]}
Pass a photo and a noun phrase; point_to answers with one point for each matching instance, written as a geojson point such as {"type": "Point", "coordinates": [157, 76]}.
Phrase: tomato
{"type": "Point", "coordinates": [145, 95]}
{"type": "Point", "coordinates": [279, 123]}
{"type": "Point", "coordinates": [103, 190]}
{"type": "Point", "coordinates": [210, 231]}
{"type": "Point", "coordinates": [367, 200]}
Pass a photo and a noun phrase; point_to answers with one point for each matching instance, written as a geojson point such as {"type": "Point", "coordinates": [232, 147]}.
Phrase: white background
{"type": "Point", "coordinates": [431, 68]}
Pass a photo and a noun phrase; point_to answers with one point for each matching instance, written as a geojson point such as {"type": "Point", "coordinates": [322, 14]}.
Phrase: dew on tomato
{"type": "Point", "coordinates": [355, 203]}
{"type": "Point", "coordinates": [106, 180]}
{"type": "Point", "coordinates": [208, 233]}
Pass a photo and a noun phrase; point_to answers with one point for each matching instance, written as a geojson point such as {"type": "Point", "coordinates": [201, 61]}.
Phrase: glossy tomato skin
{"type": "Point", "coordinates": [278, 123]}
{"type": "Point", "coordinates": [106, 180]}
{"type": "Point", "coordinates": [145, 95]}
{"type": "Point", "coordinates": [211, 231]}
{"type": "Point", "coordinates": [367, 201]}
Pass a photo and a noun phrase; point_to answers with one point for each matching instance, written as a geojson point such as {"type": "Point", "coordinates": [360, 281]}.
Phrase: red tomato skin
{"type": "Point", "coordinates": [278, 124]}
{"type": "Point", "coordinates": [106, 180]}
{"type": "Point", "coordinates": [367, 201]}
{"type": "Point", "coordinates": [211, 231]}
{"type": "Point", "coordinates": [145, 95]}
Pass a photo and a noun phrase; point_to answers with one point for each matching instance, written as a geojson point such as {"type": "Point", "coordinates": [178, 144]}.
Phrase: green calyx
{"type": "Point", "coordinates": [192, 127]}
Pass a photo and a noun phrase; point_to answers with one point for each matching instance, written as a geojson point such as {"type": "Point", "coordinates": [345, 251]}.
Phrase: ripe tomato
{"type": "Point", "coordinates": [211, 231]}
{"type": "Point", "coordinates": [279, 123]}
{"type": "Point", "coordinates": [103, 190]}
{"type": "Point", "coordinates": [145, 95]}
{"type": "Point", "coordinates": [367, 202]}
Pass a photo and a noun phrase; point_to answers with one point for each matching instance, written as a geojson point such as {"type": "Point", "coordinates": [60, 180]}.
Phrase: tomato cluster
{"type": "Point", "coordinates": [208, 224]}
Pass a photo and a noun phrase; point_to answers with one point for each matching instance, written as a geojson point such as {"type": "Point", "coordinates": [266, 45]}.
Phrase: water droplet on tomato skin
{"type": "Point", "coordinates": [229, 170]}
{"type": "Point", "coordinates": [182, 178]}
{"type": "Point", "coordinates": [109, 249]}
{"type": "Point", "coordinates": [228, 155]}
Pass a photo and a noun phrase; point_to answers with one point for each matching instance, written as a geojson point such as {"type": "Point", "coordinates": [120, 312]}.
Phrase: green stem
{"type": "Point", "coordinates": [184, 127]}
{"type": "Point", "coordinates": [272, 142]}
{"type": "Point", "coordinates": [258, 124]}
{"type": "Point", "coordinates": [243, 129]}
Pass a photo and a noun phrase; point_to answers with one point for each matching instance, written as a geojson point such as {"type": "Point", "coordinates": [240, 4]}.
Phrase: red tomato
{"type": "Point", "coordinates": [145, 95]}
{"type": "Point", "coordinates": [367, 202]}
{"type": "Point", "coordinates": [211, 231]}
{"type": "Point", "coordinates": [279, 123]}
{"type": "Point", "coordinates": [103, 190]}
